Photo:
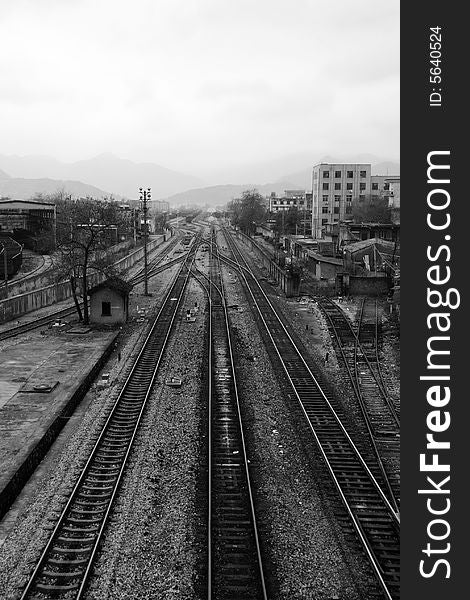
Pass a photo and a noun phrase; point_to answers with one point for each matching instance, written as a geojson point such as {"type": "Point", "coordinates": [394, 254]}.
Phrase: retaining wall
{"type": "Point", "coordinates": [289, 284]}
{"type": "Point", "coordinates": [57, 292]}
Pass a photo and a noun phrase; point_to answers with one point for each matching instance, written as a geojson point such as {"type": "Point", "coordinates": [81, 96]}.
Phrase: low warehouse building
{"type": "Point", "coordinates": [109, 302]}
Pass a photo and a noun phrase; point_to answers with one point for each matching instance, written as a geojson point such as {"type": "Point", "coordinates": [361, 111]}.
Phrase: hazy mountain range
{"type": "Point", "coordinates": [22, 177]}
{"type": "Point", "coordinates": [19, 188]}
{"type": "Point", "coordinates": [294, 167]}
{"type": "Point", "coordinates": [220, 194]}
{"type": "Point", "coordinates": [106, 172]}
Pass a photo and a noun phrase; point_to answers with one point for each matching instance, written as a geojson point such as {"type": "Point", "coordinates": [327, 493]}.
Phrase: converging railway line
{"type": "Point", "coordinates": [368, 338]}
{"type": "Point", "coordinates": [215, 472]}
{"type": "Point", "coordinates": [371, 513]}
{"type": "Point", "coordinates": [234, 562]}
{"type": "Point", "coordinates": [67, 560]}
{"type": "Point", "coordinates": [359, 351]}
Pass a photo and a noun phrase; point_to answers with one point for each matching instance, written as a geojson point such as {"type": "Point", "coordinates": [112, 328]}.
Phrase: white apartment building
{"type": "Point", "coordinates": [334, 186]}
{"type": "Point", "coordinates": [290, 199]}
{"type": "Point", "coordinates": [380, 186]}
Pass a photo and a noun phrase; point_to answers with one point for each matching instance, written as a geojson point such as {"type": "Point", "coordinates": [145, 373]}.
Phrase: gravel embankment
{"type": "Point", "coordinates": [300, 536]}
{"type": "Point", "coordinates": [47, 494]}
{"type": "Point", "coordinates": [149, 548]}
{"type": "Point", "coordinates": [317, 342]}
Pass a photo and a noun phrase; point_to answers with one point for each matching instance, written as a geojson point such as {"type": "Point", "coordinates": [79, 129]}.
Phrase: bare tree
{"type": "Point", "coordinates": [86, 229]}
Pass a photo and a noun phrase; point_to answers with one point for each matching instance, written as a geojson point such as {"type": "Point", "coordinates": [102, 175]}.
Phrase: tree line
{"type": "Point", "coordinates": [250, 210]}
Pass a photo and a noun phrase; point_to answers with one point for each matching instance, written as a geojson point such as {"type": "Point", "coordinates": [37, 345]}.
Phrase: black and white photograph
{"type": "Point", "coordinates": [200, 312]}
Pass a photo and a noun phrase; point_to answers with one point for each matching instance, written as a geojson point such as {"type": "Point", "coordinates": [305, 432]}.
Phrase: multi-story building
{"type": "Point", "coordinates": [158, 206]}
{"type": "Point", "coordinates": [394, 198]}
{"type": "Point", "coordinates": [379, 186]}
{"type": "Point", "coordinates": [334, 187]}
{"type": "Point", "coordinates": [290, 199]}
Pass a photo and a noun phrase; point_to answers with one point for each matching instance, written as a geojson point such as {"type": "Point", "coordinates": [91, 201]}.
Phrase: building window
{"type": "Point", "coordinates": [337, 174]}
{"type": "Point", "coordinates": [326, 186]}
{"type": "Point", "coordinates": [375, 186]}
{"type": "Point", "coordinates": [336, 210]}
{"type": "Point", "coordinates": [362, 198]}
{"type": "Point", "coordinates": [348, 210]}
{"type": "Point", "coordinates": [324, 221]}
{"type": "Point", "coordinates": [324, 210]}
{"type": "Point", "coordinates": [337, 186]}
{"type": "Point", "coordinates": [363, 173]}
{"type": "Point", "coordinates": [106, 309]}
{"type": "Point", "coordinates": [350, 174]}
{"type": "Point", "coordinates": [326, 174]}
{"type": "Point", "coordinates": [386, 186]}
{"type": "Point", "coordinates": [349, 186]}
{"type": "Point", "coordinates": [362, 186]}
{"type": "Point", "coordinates": [337, 198]}
{"type": "Point", "coordinates": [325, 198]}
{"type": "Point", "coordinates": [348, 198]}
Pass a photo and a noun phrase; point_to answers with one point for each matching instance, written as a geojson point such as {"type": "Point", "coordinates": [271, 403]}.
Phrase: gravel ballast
{"type": "Point", "coordinates": [151, 547]}
{"type": "Point", "coordinates": [38, 508]}
{"type": "Point", "coordinates": [300, 537]}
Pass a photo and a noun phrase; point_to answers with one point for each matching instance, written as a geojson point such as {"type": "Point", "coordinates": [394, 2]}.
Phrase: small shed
{"type": "Point", "coordinates": [109, 301]}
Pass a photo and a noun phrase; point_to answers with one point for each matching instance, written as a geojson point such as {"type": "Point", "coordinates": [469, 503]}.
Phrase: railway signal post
{"type": "Point", "coordinates": [145, 195]}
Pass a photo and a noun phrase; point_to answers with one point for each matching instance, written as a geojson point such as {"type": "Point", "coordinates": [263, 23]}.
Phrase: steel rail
{"type": "Point", "coordinates": [359, 346]}
{"type": "Point", "coordinates": [375, 550]}
{"type": "Point", "coordinates": [108, 467]}
{"type": "Point", "coordinates": [234, 562]}
{"type": "Point", "coordinates": [355, 383]}
{"type": "Point", "coordinates": [155, 268]}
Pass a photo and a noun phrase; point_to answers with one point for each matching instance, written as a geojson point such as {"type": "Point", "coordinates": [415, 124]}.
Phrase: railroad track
{"type": "Point", "coordinates": [67, 560]}
{"type": "Point", "coordinates": [368, 336]}
{"type": "Point", "coordinates": [371, 515]}
{"type": "Point", "coordinates": [234, 562]}
{"type": "Point", "coordinates": [154, 268]}
{"type": "Point", "coordinates": [358, 350]}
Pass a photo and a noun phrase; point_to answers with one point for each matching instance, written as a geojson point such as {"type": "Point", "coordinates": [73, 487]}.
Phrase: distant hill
{"type": "Point", "coordinates": [221, 194]}
{"type": "Point", "coordinates": [218, 195]}
{"type": "Point", "coordinates": [105, 172]}
{"type": "Point", "coordinates": [23, 176]}
{"type": "Point", "coordinates": [23, 189]}
{"type": "Point", "coordinates": [297, 166]}
{"type": "Point", "coordinates": [303, 179]}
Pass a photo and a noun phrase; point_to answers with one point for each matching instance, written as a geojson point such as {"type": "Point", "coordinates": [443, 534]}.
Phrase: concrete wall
{"type": "Point", "coordinates": [46, 278]}
{"type": "Point", "coordinates": [288, 283]}
{"type": "Point", "coordinates": [19, 305]}
{"type": "Point", "coordinates": [321, 269]}
{"type": "Point", "coordinates": [367, 286]}
{"type": "Point", "coordinates": [118, 307]}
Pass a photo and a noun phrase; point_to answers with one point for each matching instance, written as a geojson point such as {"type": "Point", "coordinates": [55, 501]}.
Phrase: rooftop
{"type": "Point", "coordinates": [114, 283]}
{"type": "Point", "coordinates": [25, 203]}
{"type": "Point", "coordinates": [357, 246]}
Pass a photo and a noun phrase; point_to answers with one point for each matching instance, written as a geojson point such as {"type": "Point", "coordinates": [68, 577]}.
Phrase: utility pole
{"type": "Point", "coordinates": [144, 197]}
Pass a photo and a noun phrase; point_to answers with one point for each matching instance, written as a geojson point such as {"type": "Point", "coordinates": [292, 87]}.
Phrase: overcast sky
{"type": "Point", "coordinates": [198, 84]}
